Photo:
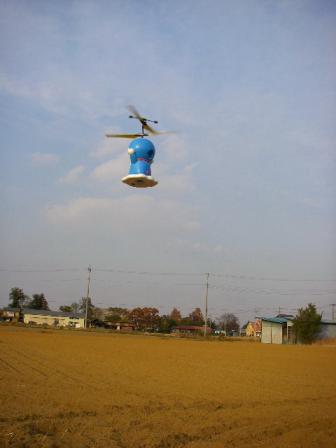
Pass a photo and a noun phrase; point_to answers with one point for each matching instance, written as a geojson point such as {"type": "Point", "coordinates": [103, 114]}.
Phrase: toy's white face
{"type": "Point", "coordinates": [130, 151]}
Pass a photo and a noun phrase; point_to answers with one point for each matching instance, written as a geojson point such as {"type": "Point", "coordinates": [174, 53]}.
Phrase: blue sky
{"type": "Point", "coordinates": [246, 187]}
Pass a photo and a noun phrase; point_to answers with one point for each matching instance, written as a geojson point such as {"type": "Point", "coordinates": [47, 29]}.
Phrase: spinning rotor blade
{"type": "Point", "coordinates": [165, 132]}
{"type": "Point", "coordinates": [150, 129]}
{"type": "Point", "coordinates": [133, 110]}
{"type": "Point", "coordinates": [124, 135]}
{"type": "Point", "coordinates": [144, 124]}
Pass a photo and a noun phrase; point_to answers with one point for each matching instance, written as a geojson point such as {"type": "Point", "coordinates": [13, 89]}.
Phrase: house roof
{"type": "Point", "coordinates": [256, 325]}
{"type": "Point", "coordinates": [52, 313]}
{"type": "Point", "coordinates": [276, 320]}
{"type": "Point", "coordinates": [283, 320]}
{"type": "Point", "coordinates": [9, 308]}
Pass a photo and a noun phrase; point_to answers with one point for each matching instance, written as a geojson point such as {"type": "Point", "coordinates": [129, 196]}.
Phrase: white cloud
{"type": "Point", "coordinates": [45, 158]}
{"type": "Point", "coordinates": [111, 146]}
{"type": "Point", "coordinates": [73, 175]}
{"type": "Point", "coordinates": [124, 214]}
{"type": "Point", "coordinates": [173, 146]}
{"type": "Point", "coordinates": [112, 169]}
{"type": "Point", "coordinates": [177, 182]}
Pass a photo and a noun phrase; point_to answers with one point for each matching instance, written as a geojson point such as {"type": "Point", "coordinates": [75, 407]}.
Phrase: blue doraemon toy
{"type": "Point", "coordinates": [141, 151]}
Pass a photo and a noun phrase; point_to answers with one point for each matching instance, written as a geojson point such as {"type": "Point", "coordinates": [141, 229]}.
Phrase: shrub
{"type": "Point", "coordinates": [306, 324]}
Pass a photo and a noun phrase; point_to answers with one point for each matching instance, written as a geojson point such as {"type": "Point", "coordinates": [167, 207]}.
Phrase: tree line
{"type": "Point", "coordinates": [149, 318]}
{"type": "Point", "coordinates": [18, 299]}
{"type": "Point", "coordinates": [145, 318]}
{"type": "Point", "coordinates": [306, 323]}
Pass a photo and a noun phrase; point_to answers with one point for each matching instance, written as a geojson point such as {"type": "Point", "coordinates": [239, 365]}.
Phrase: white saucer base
{"type": "Point", "coordinates": [139, 181]}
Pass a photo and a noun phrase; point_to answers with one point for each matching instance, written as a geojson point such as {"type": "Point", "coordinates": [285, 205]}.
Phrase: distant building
{"type": "Point", "coordinates": [253, 329]}
{"type": "Point", "coordinates": [327, 329]}
{"type": "Point", "coordinates": [9, 314]}
{"type": "Point", "coordinates": [120, 326]}
{"type": "Point", "coordinates": [279, 330]}
{"type": "Point", "coordinates": [190, 329]}
{"type": "Point", "coordinates": [53, 318]}
{"type": "Point", "coordinates": [243, 329]}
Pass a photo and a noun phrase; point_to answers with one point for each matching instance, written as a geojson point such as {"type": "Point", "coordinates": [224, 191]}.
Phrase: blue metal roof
{"type": "Point", "coordinates": [276, 320]}
{"type": "Point", "coordinates": [283, 320]}
{"type": "Point", "coordinates": [52, 313]}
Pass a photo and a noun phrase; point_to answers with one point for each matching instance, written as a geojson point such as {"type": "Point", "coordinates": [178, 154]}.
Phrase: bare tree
{"type": "Point", "coordinates": [228, 322]}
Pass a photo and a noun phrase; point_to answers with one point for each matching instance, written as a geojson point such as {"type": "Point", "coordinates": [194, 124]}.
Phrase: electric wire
{"type": "Point", "coordinates": [182, 274]}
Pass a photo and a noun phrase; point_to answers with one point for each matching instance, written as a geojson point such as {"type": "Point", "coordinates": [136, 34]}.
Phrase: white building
{"type": "Point", "coordinates": [277, 330]}
{"type": "Point", "coordinates": [53, 318]}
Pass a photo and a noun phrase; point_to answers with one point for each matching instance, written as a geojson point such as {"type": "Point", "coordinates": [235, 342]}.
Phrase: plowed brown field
{"type": "Point", "coordinates": [84, 389]}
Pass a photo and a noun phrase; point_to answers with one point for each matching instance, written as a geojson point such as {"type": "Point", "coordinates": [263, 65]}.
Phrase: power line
{"type": "Point", "coordinates": [40, 270]}
{"type": "Point", "coordinates": [183, 274]}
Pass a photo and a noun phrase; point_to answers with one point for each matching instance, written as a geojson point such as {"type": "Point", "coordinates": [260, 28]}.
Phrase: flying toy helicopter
{"type": "Point", "coordinates": [141, 152]}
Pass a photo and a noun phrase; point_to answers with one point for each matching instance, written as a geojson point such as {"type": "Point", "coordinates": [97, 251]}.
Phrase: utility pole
{"type": "Point", "coordinates": [333, 311]}
{"type": "Point", "coordinates": [87, 298]}
{"type": "Point", "coordinates": [206, 304]}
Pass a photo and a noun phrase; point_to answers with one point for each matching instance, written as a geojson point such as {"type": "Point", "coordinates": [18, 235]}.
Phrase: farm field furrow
{"type": "Point", "coordinates": [96, 389]}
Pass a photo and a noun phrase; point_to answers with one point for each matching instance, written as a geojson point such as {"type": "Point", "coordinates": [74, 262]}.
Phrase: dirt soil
{"type": "Point", "coordinates": [62, 388]}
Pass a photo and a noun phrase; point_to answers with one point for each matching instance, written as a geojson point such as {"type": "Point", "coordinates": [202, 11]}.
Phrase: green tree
{"type": "Point", "coordinates": [66, 308]}
{"type": "Point", "coordinates": [117, 314]}
{"type": "Point", "coordinates": [39, 302]}
{"type": "Point", "coordinates": [17, 298]}
{"type": "Point", "coordinates": [75, 307]}
{"type": "Point", "coordinates": [166, 324]}
{"type": "Point", "coordinates": [306, 324]}
{"type": "Point", "coordinates": [82, 307]}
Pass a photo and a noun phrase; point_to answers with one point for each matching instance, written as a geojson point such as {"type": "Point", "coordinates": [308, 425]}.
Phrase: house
{"type": "Point", "coordinates": [120, 326]}
{"type": "Point", "coordinates": [243, 329]}
{"type": "Point", "coordinates": [9, 314]}
{"type": "Point", "coordinates": [253, 329]}
{"type": "Point", "coordinates": [277, 330]}
{"type": "Point", "coordinates": [190, 329]}
{"type": "Point", "coordinates": [53, 318]}
{"type": "Point", "coordinates": [327, 329]}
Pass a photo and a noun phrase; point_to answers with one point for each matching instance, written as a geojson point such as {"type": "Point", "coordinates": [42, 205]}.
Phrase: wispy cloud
{"type": "Point", "coordinates": [110, 146]}
{"type": "Point", "coordinates": [126, 214]}
{"type": "Point", "coordinates": [44, 158]}
{"type": "Point", "coordinates": [175, 183]}
{"type": "Point", "coordinates": [109, 171]}
{"type": "Point", "coordinates": [73, 175]}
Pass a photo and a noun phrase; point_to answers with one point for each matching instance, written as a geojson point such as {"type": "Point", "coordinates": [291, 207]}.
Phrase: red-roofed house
{"type": "Point", "coordinates": [253, 329]}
